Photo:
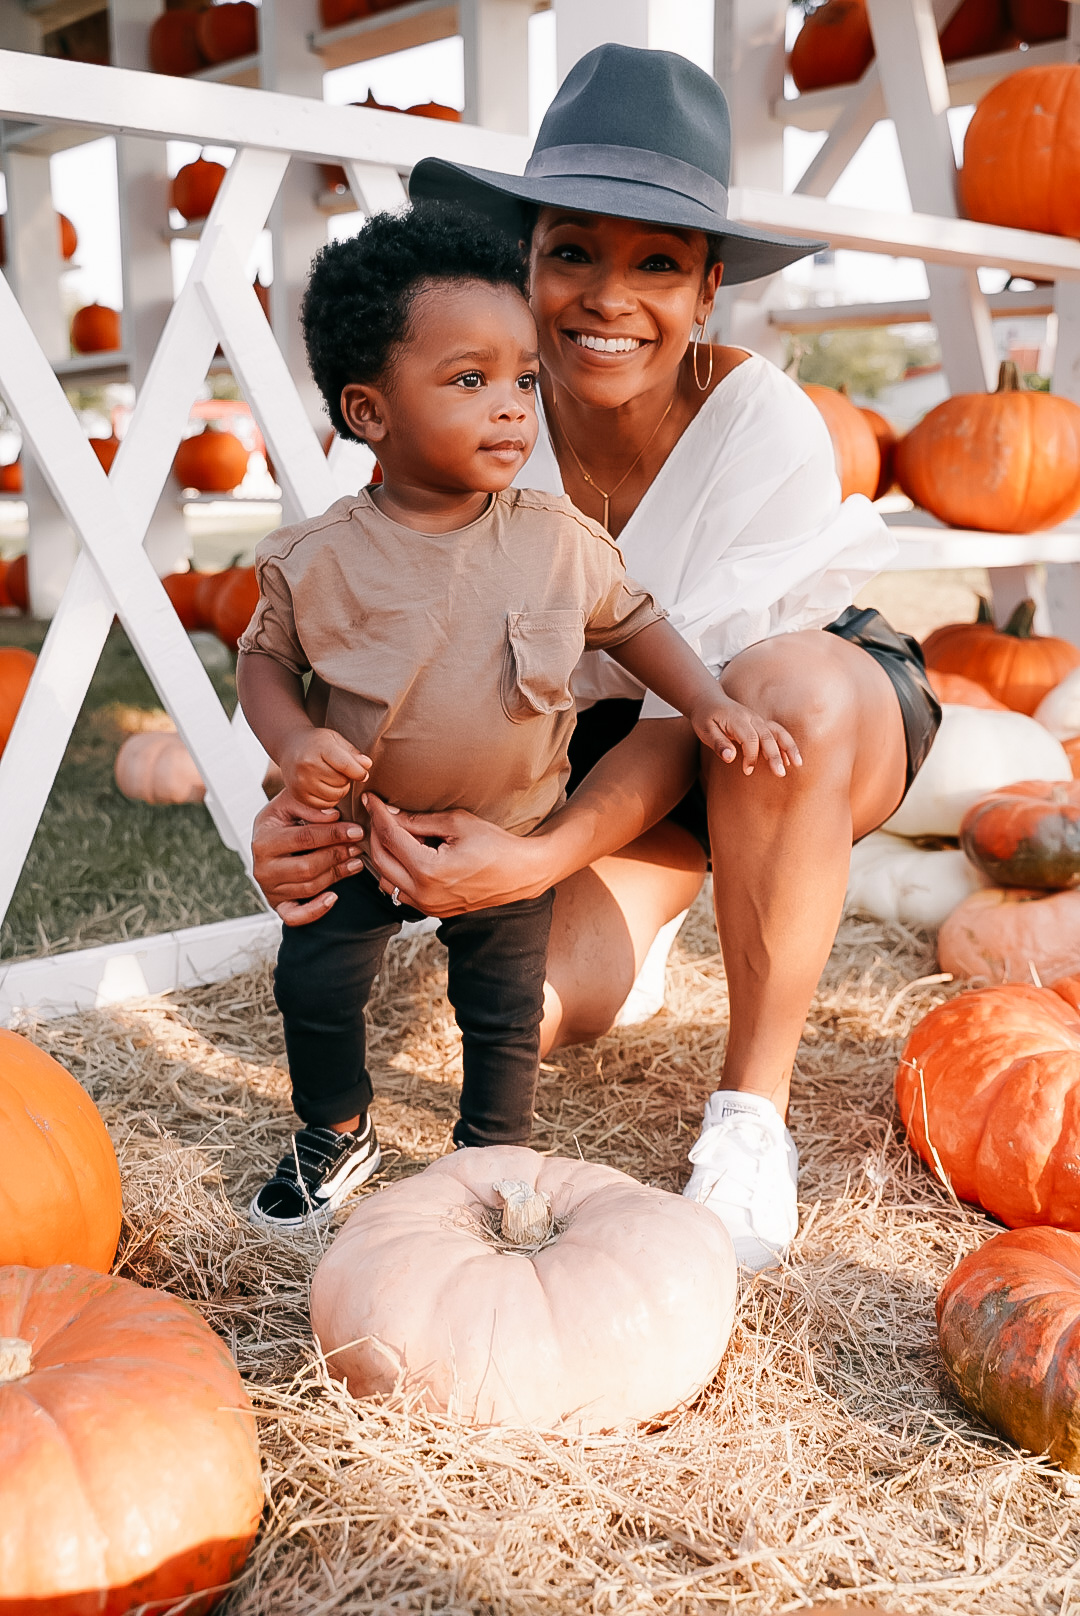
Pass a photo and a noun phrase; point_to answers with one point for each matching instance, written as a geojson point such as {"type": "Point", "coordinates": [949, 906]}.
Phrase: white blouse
{"type": "Point", "coordinates": [743, 533]}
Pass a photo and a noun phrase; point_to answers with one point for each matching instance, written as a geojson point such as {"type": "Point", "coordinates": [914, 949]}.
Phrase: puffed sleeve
{"type": "Point", "coordinates": [272, 630]}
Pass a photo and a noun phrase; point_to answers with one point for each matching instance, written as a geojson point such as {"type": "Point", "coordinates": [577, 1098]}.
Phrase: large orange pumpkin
{"type": "Point", "coordinates": [951, 638]}
{"type": "Point", "coordinates": [11, 478]}
{"type": "Point", "coordinates": [129, 1461]}
{"type": "Point", "coordinates": [1026, 835]}
{"type": "Point", "coordinates": [16, 669]}
{"type": "Point", "coordinates": [211, 461]}
{"type": "Point", "coordinates": [833, 46]}
{"type": "Point", "coordinates": [95, 329]}
{"type": "Point", "coordinates": [1022, 152]}
{"type": "Point", "coordinates": [1008, 1324]}
{"type": "Point", "coordinates": [1003, 934]}
{"type": "Point", "coordinates": [173, 44]}
{"type": "Point", "coordinates": [579, 1319]}
{"type": "Point", "coordinates": [233, 603]}
{"type": "Point", "coordinates": [960, 692]}
{"type": "Point", "coordinates": [1036, 20]}
{"type": "Point", "coordinates": [59, 1179]}
{"type": "Point", "coordinates": [105, 449]}
{"type": "Point", "coordinates": [1016, 666]}
{"type": "Point", "coordinates": [227, 31]}
{"type": "Point", "coordinates": [1007, 461]}
{"type": "Point", "coordinates": [858, 459]}
{"type": "Point", "coordinates": [195, 186]}
{"type": "Point", "coordinates": [988, 1089]}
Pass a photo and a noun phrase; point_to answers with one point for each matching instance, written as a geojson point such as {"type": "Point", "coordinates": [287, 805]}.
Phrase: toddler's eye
{"type": "Point", "coordinates": [471, 379]}
{"type": "Point", "coordinates": [528, 381]}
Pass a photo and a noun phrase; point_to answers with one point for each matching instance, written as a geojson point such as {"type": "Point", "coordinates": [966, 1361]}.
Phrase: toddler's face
{"type": "Point", "coordinates": [457, 409]}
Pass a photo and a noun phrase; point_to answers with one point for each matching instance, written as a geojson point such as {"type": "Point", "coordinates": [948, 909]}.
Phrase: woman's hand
{"type": "Point", "coordinates": [298, 853]}
{"type": "Point", "coordinates": [472, 865]}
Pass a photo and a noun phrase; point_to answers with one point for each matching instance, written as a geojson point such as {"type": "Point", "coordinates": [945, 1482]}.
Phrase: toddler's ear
{"type": "Point", "coordinates": [363, 411]}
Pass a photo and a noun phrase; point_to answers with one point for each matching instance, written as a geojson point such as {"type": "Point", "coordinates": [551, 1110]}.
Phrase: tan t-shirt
{"type": "Point", "coordinates": [449, 655]}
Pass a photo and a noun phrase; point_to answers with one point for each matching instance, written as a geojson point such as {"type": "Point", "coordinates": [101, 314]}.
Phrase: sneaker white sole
{"type": "Point", "coordinates": [349, 1178]}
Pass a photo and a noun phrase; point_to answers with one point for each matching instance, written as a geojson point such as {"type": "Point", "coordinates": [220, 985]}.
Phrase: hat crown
{"type": "Point", "coordinates": [652, 100]}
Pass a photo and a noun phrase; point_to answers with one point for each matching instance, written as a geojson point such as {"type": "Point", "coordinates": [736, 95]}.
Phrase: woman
{"type": "Point", "coordinates": [716, 475]}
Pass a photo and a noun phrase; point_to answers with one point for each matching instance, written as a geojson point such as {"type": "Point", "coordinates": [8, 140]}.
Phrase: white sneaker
{"type": "Point", "coordinates": [746, 1170]}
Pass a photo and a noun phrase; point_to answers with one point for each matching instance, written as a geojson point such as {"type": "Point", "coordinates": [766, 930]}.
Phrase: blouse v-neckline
{"type": "Point", "coordinates": [674, 454]}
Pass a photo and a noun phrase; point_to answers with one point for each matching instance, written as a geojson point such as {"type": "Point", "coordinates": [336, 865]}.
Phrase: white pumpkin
{"type": "Point", "coordinates": [601, 1300]}
{"type": "Point", "coordinates": [1059, 710]}
{"type": "Point", "coordinates": [975, 751]}
{"type": "Point", "coordinates": [908, 886]}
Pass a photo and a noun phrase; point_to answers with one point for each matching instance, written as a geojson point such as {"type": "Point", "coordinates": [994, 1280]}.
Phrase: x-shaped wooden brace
{"type": "Point", "coordinates": [111, 514]}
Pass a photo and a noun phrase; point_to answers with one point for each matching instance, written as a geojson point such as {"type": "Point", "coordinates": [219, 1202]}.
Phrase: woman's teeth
{"type": "Point", "coordinates": [607, 344]}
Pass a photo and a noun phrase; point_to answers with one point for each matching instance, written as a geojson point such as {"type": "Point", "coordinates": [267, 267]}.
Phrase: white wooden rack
{"type": "Point", "coordinates": [98, 543]}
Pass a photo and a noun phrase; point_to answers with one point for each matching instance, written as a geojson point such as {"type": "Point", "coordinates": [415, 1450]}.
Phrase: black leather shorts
{"type": "Point", "coordinates": [605, 724]}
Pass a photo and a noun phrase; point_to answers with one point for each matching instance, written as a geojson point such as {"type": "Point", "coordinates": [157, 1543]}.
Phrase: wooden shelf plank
{"type": "Point", "coordinates": [968, 81]}
{"type": "Point", "coordinates": [911, 311]}
{"type": "Point", "coordinates": [926, 545]}
{"type": "Point", "coordinates": [420, 23]}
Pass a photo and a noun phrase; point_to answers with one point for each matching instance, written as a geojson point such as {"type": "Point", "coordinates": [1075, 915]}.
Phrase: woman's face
{"type": "Point", "coordinates": [615, 302]}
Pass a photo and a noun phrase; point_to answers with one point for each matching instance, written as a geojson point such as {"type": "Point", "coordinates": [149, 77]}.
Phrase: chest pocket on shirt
{"type": "Point", "coordinates": [542, 651]}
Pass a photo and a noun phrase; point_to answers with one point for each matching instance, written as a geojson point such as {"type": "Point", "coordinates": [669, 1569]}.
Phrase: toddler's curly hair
{"type": "Point", "coordinates": [360, 295]}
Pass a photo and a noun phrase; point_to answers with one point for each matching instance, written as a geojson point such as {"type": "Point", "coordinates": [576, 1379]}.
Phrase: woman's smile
{"type": "Point", "coordinates": [595, 343]}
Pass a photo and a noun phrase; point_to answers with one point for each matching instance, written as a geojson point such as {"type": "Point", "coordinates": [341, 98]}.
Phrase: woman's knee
{"type": "Point", "coordinates": [803, 681]}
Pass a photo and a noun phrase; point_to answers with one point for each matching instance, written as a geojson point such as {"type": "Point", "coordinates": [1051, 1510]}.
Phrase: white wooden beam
{"type": "Point", "coordinates": [495, 38]}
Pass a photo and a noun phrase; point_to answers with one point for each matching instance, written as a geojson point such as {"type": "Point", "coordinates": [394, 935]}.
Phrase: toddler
{"type": "Point", "coordinates": [441, 614]}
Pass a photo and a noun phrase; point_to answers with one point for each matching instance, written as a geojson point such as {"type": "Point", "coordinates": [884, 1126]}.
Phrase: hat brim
{"type": "Point", "coordinates": [747, 254]}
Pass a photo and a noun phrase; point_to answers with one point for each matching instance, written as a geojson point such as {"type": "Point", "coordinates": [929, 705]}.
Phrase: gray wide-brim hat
{"type": "Point", "coordinates": [639, 134]}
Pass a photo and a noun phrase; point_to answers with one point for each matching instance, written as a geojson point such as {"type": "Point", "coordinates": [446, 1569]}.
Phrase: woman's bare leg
{"type": "Point", "coordinates": [781, 847]}
{"type": "Point", "coordinates": [605, 920]}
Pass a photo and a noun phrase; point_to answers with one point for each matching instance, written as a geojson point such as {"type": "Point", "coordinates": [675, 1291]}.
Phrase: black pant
{"type": "Point", "coordinates": [497, 961]}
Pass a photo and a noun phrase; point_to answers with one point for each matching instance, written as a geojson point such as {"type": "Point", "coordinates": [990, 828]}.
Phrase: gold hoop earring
{"type": "Point", "coordinates": [703, 386]}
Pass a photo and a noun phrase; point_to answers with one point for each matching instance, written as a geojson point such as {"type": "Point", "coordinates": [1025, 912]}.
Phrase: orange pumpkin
{"type": "Point", "coordinates": [1008, 460]}
{"type": "Point", "coordinates": [1026, 835]}
{"type": "Point", "coordinates": [59, 1178]}
{"type": "Point", "coordinates": [16, 669]}
{"type": "Point", "coordinates": [1016, 666]}
{"type": "Point", "coordinates": [887, 440]}
{"type": "Point", "coordinates": [233, 603]}
{"type": "Point", "coordinates": [332, 13]}
{"type": "Point", "coordinates": [182, 589]}
{"type": "Point", "coordinates": [105, 449]}
{"type": "Point", "coordinates": [173, 44]}
{"type": "Point", "coordinates": [1022, 152]}
{"type": "Point", "coordinates": [988, 1089]}
{"type": "Point", "coordinates": [95, 329]}
{"type": "Point", "coordinates": [11, 478]}
{"type": "Point", "coordinates": [17, 582]}
{"type": "Point", "coordinates": [211, 461]}
{"type": "Point", "coordinates": [1036, 20]}
{"type": "Point", "coordinates": [976, 28]}
{"type": "Point", "coordinates": [195, 186]}
{"type": "Point", "coordinates": [953, 638]}
{"type": "Point", "coordinates": [858, 459]}
{"type": "Point", "coordinates": [129, 1461]}
{"type": "Point", "coordinates": [227, 31]}
{"type": "Point", "coordinates": [1008, 1318]}
{"type": "Point", "coordinates": [961, 692]}
{"type": "Point", "coordinates": [833, 46]}
{"type": "Point", "coordinates": [1002, 934]}
{"type": "Point", "coordinates": [435, 109]}
{"type": "Point", "coordinates": [155, 766]}
{"type": "Point", "coordinates": [69, 239]}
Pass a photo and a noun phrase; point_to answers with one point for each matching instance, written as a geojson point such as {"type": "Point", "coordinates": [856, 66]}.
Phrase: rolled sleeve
{"type": "Point", "coordinates": [272, 630]}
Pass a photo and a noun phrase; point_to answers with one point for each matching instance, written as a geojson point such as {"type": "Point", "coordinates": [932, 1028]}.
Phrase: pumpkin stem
{"type": "Point", "coordinates": [985, 613]}
{"type": "Point", "coordinates": [1009, 378]}
{"type": "Point", "coordinates": [15, 1354]}
{"type": "Point", "coordinates": [1021, 621]}
{"type": "Point", "coordinates": [526, 1216]}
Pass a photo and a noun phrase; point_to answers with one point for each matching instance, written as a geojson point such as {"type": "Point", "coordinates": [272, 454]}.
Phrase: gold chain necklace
{"type": "Point", "coordinates": [608, 497]}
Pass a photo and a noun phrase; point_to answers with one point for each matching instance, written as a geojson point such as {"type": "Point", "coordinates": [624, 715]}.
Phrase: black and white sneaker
{"type": "Point", "coordinates": [321, 1168]}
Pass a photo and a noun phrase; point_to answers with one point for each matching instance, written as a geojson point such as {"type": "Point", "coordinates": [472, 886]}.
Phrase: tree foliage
{"type": "Point", "coordinates": [864, 360]}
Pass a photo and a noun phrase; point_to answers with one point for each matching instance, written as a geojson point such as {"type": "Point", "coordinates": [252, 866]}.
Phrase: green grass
{"type": "Point", "coordinates": [101, 868]}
